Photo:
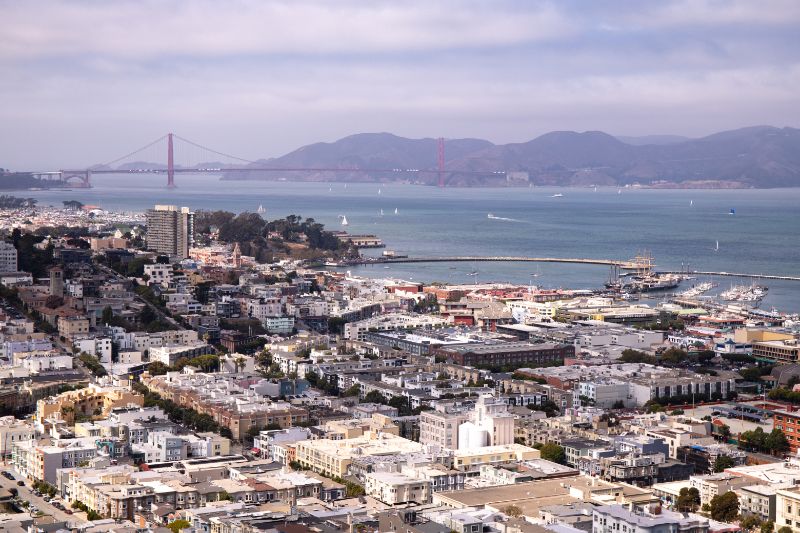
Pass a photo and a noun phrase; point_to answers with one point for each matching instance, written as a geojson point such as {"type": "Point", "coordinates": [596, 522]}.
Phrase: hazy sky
{"type": "Point", "coordinates": [85, 82]}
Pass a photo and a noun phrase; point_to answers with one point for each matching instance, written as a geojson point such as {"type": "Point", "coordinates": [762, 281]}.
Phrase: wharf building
{"type": "Point", "coordinates": [170, 230]}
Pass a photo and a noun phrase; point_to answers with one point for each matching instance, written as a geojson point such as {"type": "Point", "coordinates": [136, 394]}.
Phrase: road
{"type": "Point", "coordinates": [116, 276]}
{"type": "Point", "coordinates": [25, 494]}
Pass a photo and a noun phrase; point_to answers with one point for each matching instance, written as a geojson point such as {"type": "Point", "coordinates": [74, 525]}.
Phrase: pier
{"type": "Point", "coordinates": [624, 265]}
{"type": "Point", "coordinates": [733, 274]}
{"type": "Point", "coordinates": [628, 265]}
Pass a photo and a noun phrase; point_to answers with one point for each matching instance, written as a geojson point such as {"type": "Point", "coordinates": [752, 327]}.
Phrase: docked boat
{"type": "Point", "coordinates": [745, 293]}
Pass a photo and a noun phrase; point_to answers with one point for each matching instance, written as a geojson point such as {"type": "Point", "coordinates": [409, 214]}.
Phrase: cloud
{"type": "Point", "coordinates": [87, 81]}
{"type": "Point", "coordinates": [148, 29]}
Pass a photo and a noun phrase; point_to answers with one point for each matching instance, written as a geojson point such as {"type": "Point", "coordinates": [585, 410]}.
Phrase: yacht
{"type": "Point", "coordinates": [344, 220]}
{"type": "Point", "coordinates": [557, 195]}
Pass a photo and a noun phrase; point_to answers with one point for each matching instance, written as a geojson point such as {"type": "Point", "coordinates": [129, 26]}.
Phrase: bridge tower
{"type": "Point", "coordinates": [440, 155]}
{"type": "Point", "coordinates": [170, 163]}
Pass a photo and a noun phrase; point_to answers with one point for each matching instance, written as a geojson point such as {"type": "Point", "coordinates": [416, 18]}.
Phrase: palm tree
{"type": "Point", "coordinates": [238, 363]}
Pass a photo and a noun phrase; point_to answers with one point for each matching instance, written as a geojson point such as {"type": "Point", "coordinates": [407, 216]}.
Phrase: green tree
{"type": "Point", "coordinates": [352, 391]}
{"type": "Point", "coordinates": [750, 522]}
{"type": "Point", "coordinates": [785, 529]}
{"type": "Point", "coordinates": [177, 525]}
{"type": "Point", "coordinates": [688, 500]}
{"type": "Point", "coordinates": [108, 315]}
{"type": "Point", "coordinates": [374, 397]}
{"type": "Point", "coordinates": [767, 527]}
{"type": "Point", "coordinates": [724, 507]}
{"type": "Point", "coordinates": [776, 442]}
{"type": "Point", "coordinates": [553, 452]}
{"type": "Point", "coordinates": [512, 510]}
{"type": "Point", "coordinates": [723, 462]}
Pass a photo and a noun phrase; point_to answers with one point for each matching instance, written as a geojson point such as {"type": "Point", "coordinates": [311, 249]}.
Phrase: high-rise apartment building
{"type": "Point", "coordinates": [8, 257]}
{"type": "Point", "coordinates": [170, 230]}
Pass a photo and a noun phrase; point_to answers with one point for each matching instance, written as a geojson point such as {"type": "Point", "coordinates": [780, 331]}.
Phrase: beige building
{"type": "Point", "coordinates": [787, 509]}
{"type": "Point", "coordinates": [333, 457]}
{"type": "Point", "coordinates": [471, 459]}
{"type": "Point", "coordinates": [11, 432]}
{"type": "Point", "coordinates": [93, 401]}
{"type": "Point", "coordinates": [393, 488]}
{"type": "Point", "coordinates": [352, 428]}
{"type": "Point", "coordinates": [71, 327]}
{"type": "Point", "coordinates": [438, 427]}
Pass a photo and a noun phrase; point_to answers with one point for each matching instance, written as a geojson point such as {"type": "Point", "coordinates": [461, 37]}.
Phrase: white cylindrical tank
{"type": "Point", "coordinates": [471, 436]}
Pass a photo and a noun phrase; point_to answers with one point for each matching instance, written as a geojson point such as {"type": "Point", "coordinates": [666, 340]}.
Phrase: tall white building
{"type": "Point", "coordinates": [8, 257]}
{"type": "Point", "coordinates": [491, 425]}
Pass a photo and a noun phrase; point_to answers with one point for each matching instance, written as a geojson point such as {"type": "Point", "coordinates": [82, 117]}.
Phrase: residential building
{"type": "Point", "coordinates": [393, 488]}
{"type": "Point", "coordinates": [13, 431]}
{"type": "Point", "coordinates": [8, 257]}
{"type": "Point", "coordinates": [170, 230]}
{"type": "Point", "coordinates": [619, 519]}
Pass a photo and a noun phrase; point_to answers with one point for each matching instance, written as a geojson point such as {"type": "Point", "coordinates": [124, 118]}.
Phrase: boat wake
{"type": "Point", "coordinates": [504, 219]}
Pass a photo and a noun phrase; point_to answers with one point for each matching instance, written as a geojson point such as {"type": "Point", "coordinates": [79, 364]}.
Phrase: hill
{"type": "Point", "coordinates": [760, 156]}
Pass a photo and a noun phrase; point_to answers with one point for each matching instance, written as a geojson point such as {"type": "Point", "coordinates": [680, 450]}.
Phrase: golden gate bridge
{"type": "Point", "coordinates": [83, 177]}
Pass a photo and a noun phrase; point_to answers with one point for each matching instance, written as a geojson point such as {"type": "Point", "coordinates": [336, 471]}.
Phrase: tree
{"type": "Point", "coordinates": [767, 527]}
{"type": "Point", "coordinates": [785, 529]}
{"type": "Point", "coordinates": [723, 462]}
{"type": "Point", "coordinates": [157, 368]}
{"type": "Point", "coordinates": [108, 315]}
{"type": "Point", "coordinates": [374, 397]}
{"type": "Point", "coordinates": [352, 391]}
{"type": "Point", "coordinates": [724, 432]}
{"type": "Point", "coordinates": [750, 522]}
{"type": "Point", "coordinates": [553, 452]}
{"type": "Point", "coordinates": [688, 500]}
{"type": "Point", "coordinates": [512, 511]}
{"type": "Point", "coordinates": [724, 507]}
{"type": "Point", "coordinates": [177, 525]}
{"type": "Point", "coordinates": [776, 442]}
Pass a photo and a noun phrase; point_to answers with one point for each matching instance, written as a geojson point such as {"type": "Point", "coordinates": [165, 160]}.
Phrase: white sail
{"type": "Point", "coordinates": [395, 210]}
{"type": "Point", "coordinates": [344, 221]}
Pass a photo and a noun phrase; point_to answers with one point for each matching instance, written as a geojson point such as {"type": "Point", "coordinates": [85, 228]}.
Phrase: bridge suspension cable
{"type": "Point", "coordinates": [223, 154]}
{"type": "Point", "coordinates": [143, 148]}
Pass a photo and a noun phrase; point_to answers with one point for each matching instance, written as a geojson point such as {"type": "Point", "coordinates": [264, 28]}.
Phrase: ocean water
{"type": "Point", "coordinates": [678, 227]}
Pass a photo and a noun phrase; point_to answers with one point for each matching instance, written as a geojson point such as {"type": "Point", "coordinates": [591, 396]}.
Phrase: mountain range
{"type": "Point", "coordinates": [753, 157]}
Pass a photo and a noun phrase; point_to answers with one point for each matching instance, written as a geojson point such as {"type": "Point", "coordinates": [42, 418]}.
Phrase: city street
{"type": "Point", "coordinates": [25, 493]}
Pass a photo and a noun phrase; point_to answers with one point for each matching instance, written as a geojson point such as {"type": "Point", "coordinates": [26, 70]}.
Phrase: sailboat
{"type": "Point", "coordinates": [395, 210]}
{"type": "Point", "coordinates": [379, 192]}
{"type": "Point", "coordinates": [381, 212]}
{"type": "Point", "coordinates": [344, 220]}
{"type": "Point", "coordinates": [716, 249]}
{"type": "Point", "coordinates": [691, 203]}
{"type": "Point", "coordinates": [595, 188]}
{"type": "Point", "coordinates": [619, 191]}
{"type": "Point", "coordinates": [732, 211]}
{"type": "Point", "coordinates": [261, 210]}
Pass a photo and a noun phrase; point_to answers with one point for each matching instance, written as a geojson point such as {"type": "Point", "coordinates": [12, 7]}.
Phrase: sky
{"type": "Point", "coordinates": [84, 82]}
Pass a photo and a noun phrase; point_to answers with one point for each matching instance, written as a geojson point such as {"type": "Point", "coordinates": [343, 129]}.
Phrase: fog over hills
{"type": "Point", "coordinates": [760, 156]}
